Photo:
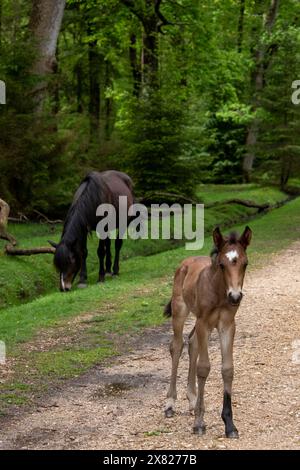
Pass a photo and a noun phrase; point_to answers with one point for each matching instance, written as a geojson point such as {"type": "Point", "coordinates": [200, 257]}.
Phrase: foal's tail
{"type": "Point", "coordinates": [168, 309]}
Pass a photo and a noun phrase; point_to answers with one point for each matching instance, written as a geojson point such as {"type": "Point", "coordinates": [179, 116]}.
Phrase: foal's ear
{"type": "Point", "coordinates": [245, 238]}
{"type": "Point", "coordinates": [218, 238]}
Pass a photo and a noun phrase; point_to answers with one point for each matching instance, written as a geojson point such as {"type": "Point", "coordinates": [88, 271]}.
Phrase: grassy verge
{"type": "Point", "coordinates": [23, 279]}
{"type": "Point", "coordinates": [60, 336]}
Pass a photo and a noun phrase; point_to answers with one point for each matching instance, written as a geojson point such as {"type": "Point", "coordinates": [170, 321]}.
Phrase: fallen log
{"type": "Point", "coordinates": [12, 251]}
{"type": "Point", "coordinates": [17, 220]}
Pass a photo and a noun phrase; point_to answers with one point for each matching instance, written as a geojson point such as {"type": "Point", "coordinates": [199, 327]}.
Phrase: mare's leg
{"type": "Point", "coordinates": [83, 272]}
{"type": "Point", "coordinates": [179, 315]}
{"type": "Point", "coordinates": [118, 246]}
{"type": "Point", "coordinates": [193, 355]}
{"type": "Point", "coordinates": [226, 332]}
{"type": "Point", "coordinates": [101, 256]}
{"type": "Point", "coordinates": [203, 368]}
{"type": "Point", "coordinates": [108, 256]}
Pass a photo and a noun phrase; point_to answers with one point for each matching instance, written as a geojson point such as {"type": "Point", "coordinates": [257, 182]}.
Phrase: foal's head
{"type": "Point", "coordinates": [229, 256]}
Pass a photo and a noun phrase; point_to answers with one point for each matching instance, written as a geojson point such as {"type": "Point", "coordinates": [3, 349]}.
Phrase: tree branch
{"type": "Point", "coordinates": [161, 17]}
{"type": "Point", "coordinates": [130, 4]}
{"type": "Point", "coordinates": [46, 220]}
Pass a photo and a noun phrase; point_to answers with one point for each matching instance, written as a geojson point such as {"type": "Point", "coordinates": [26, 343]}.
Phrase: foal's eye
{"type": "Point", "coordinates": [222, 266]}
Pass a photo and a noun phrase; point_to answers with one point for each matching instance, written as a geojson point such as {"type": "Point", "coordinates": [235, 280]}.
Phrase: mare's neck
{"type": "Point", "coordinates": [75, 231]}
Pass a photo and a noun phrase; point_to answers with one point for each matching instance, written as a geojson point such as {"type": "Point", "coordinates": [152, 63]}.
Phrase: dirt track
{"type": "Point", "coordinates": [121, 407]}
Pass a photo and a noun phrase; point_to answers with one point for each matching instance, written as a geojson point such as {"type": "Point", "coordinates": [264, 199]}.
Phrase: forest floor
{"type": "Point", "coordinates": [120, 405]}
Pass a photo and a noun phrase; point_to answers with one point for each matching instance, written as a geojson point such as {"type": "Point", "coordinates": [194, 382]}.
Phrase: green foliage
{"type": "Point", "coordinates": [32, 153]}
{"type": "Point", "coordinates": [181, 120]}
{"type": "Point", "coordinates": [227, 129]}
{"type": "Point", "coordinates": [280, 139]}
{"type": "Point", "coordinates": [155, 154]}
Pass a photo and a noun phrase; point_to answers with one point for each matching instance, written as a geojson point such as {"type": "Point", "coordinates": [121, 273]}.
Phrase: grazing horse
{"type": "Point", "coordinates": [210, 288]}
{"type": "Point", "coordinates": [71, 252]}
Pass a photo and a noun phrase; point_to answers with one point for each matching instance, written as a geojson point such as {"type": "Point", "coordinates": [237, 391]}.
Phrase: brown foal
{"type": "Point", "coordinates": [210, 288]}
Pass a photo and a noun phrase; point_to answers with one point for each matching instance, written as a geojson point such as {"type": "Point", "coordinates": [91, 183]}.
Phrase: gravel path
{"type": "Point", "coordinates": [121, 407]}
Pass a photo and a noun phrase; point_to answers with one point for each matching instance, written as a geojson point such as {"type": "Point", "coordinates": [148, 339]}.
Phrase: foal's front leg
{"type": "Point", "coordinates": [226, 333]}
{"type": "Point", "coordinates": [203, 369]}
{"type": "Point", "coordinates": [193, 356]}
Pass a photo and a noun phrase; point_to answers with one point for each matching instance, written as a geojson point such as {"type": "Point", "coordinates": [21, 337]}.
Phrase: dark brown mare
{"type": "Point", "coordinates": [71, 252]}
{"type": "Point", "coordinates": [210, 288]}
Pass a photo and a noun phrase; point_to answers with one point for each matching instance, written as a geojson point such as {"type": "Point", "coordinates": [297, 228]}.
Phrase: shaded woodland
{"type": "Point", "coordinates": [175, 92]}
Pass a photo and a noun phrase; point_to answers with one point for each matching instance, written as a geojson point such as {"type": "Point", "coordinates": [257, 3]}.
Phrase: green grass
{"type": "Point", "coordinates": [23, 279]}
{"type": "Point", "coordinates": [108, 314]}
{"type": "Point", "coordinates": [211, 193]}
{"type": "Point", "coordinates": [111, 312]}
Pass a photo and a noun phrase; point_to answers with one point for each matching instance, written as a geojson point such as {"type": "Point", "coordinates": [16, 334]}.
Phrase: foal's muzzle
{"type": "Point", "coordinates": [235, 297]}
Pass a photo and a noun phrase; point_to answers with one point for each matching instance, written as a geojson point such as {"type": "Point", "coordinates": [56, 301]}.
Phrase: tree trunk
{"type": "Point", "coordinates": [95, 62]}
{"type": "Point", "coordinates": [4, 213]}
{"type": "Point", "coordinates": [79, 80]}
{"type": "Point", "coordinates": [150, 63]}
{"type": "Point", "coordinates": [250, 154]}
{"type": "Point", "coordinates": [135, 67]}
{"type": "Point", "coordinates": [152, 20]}
{"type": "Point", "coordinates": [286, 169]}
{"type": "Point", "coordinates": [0, 23]}
{"type": "Point", "coordinates": [108, 101]}
{"type": "Point", "coordinates": [45, 23]}
{"type": "Point", "coordinates": [241, 25]}
{"type": "Point", "coordinates": [258, 86]}
{"type": "Point", "coordinates": [56, 88]}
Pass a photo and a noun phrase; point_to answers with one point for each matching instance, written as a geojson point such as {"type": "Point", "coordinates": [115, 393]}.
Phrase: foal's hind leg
{"type": "Point", "coordinates": [193, 355]}
{"type": "Point", "coordinates": [179, 315]}
{"type": "Point", "coordinates": [203, 368]}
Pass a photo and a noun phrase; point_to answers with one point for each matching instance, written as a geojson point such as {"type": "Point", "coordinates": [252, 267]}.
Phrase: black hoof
{"type": "Point", "coordinates": [199, 430]}
{"type": "Point", "coordinates": [169, 413]}
{"type": "Point", "coordinates": [232, 434]}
